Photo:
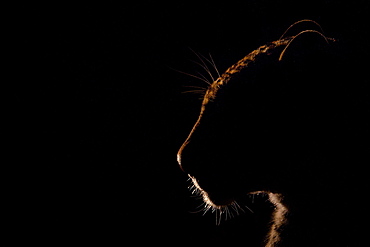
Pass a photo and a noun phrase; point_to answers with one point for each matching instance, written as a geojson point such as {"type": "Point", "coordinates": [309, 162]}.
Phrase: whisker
{"type": "Point", "coordinates": [197, 87]}
{"type": "Point", "coordinates": [294, 37]}
{"type": "Point", "coordinates": [195, 212]}
{"type": "Point", "coordinates": [230, 212]}
{"type": "Point", "coordinates": [238, 206]}
{"type": "Point", "coordinates": [218, 217]}
{"type": "Point", "coordinates": [297, 22]}
{"type": "Point", "coordinates": [205, 78]}
{"type": "Point", "coordinates": [206, 209]}
{"type": "Point", "coordinates": [235, 208]}
{"type": "Point", "coordinates": [201, 92]}
{"type": "Point", "coordinates": [188, 74]}
{"type": "Point", "coordinates": [227, 212]}
{"type": "Point", "coordinates": [203, 64]}
{"type": "Point", "coordinates": [205, 67]}
{"type": "Point", "coordinates": [250, 210]}
{"type": "Point", "coordinates": [201, 206]}
{"type": "Point", "coordinates": [214, 65]}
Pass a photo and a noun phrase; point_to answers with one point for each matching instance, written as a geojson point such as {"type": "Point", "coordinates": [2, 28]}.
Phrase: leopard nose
{"type": "Point", "coordinates": [179, 159]}
{"type": "Point", "coordinates": [190, 159]}
{"type": "Point", "coordinates": [183, 158]}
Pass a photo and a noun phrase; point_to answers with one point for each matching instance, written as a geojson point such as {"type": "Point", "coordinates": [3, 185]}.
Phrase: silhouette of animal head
{"type": "Point", "coordinates": [282, 121]}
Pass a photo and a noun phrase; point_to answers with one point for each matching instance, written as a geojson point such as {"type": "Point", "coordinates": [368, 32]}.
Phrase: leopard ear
{"type": "Point", "coordinates": [294, 37]}
{"type": "Point", "coordinates": [297, 22]}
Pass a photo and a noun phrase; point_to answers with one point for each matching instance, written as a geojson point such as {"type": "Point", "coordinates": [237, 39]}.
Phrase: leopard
{"type": "Point", "coordinates": [286, 121]}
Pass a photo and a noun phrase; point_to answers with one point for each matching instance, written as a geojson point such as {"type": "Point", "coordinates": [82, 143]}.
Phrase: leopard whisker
{"type": "Point", "coordinates": [300, 21]}
{"type": "Point", "coordinates": [203, 64]}
{"type": "Point", "coordinates": [191, 75]}
{"type": "Point", "coordinates": [212, 63]}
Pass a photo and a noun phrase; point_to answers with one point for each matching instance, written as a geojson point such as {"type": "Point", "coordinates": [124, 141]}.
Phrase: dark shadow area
{"type": "Point", "coordinates": [98, 114]}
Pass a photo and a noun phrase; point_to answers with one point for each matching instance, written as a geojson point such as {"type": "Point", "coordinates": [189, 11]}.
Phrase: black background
{"type": "Point", "coordinates": [101, 114]}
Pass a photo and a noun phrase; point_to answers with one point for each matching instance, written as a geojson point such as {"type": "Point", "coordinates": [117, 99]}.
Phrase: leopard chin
{"type": "Point", "coordinates": [210, 199]}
